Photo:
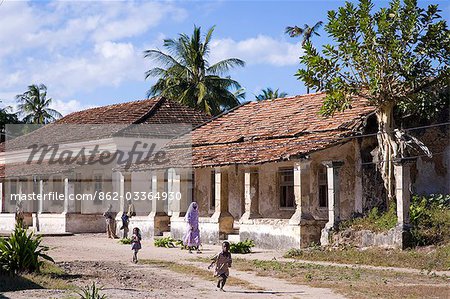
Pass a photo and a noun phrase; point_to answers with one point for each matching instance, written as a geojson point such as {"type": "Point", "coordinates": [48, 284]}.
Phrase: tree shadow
{"type": "Point", "coordinates": [10, 283]}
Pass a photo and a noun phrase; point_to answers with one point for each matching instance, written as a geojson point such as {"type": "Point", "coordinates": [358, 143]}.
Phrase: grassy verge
{"type": "Point", "coordinates": [352, 282]}
{"type": "Point", "coordinates": [50, 277]}
{"type": "Point", "coordinates": [436, 259]}
{"type": "Point", "coordinates": [201, 273]}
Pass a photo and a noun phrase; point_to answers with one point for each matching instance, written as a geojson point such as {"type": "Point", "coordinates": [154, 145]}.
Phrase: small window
{"type": "Point", "coordinates": [286, 183]}
{"type": "Point", "coordinates": [323, 187]}
{"type": "Point", "coordinates": [98, 186]}
{"type": "Point", "coordinates": [212, 200]}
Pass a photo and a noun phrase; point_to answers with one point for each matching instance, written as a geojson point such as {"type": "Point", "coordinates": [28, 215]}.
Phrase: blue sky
{"type": "Point", "coordinates": [90, 53]}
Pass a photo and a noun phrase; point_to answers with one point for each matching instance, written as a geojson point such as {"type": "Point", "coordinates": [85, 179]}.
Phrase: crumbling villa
{"type": "Point", "coordinates": [273, 171]}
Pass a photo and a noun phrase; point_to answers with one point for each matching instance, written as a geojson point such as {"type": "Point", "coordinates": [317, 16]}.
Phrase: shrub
{"type": "Point", "coordinates": [125, 241]}
{"type": "Point", "coordinates": [430, 219]}
{"type": "Point", "coordinates": [375, 220]}
{"type": "Point", "coordinates": [22, 252]}
{"type": "Point", "coordinates": [91, 292]}
{"type": "Point", "coordinates": [167, 242]}
{"type": "Point", "coordinates": [293, 252]}
{"type": "Point", "coordinates": [242, 247]}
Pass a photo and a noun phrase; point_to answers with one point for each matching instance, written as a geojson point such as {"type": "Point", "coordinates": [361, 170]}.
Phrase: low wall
{"type": "Point", "coordinates": [85, 223]}
{"type": "Point", "coordinates": [366, 238]}
{"type": "Point", "coordinates": [209, 231]}
{"type": "Point", "coordinates": [150, 225]}
{"type": "Point", "coordinates": [50, 223]}
{"type": "Point", "coordinates": [7, 221]}
{"type": "Point", "coordinates": [72, 223]}
{"type": "Point", "coordinates": [271, 233]}
{"type": "Point", "coordinates": [178, 227]}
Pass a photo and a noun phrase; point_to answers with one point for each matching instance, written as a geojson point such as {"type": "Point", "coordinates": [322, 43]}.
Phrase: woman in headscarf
{"type": "Point", "coordinates": [192, 237]}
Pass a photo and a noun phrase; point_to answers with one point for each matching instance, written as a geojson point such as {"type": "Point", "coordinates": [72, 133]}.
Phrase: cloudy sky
{"type": "Point", "coordinates": [90, 53]}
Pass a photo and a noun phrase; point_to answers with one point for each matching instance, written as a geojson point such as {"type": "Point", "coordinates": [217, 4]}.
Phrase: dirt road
{"type": "Point", "coordinates": [93, 257]}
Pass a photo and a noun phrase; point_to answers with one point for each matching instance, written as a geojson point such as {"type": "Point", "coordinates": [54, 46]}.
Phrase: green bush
{"type": "Point", "coordinates": [242, 247]}
{"type": "Point", "coordinates": [91, 292]}
{"type": "Point", "coordinates": [375, 220]}
{"type": "Point", "coordinates": [167, 242]}
{"type": "Point", "coordinates": [22, 252]}
{"type": "Point", "coordinates": [125, 241]}
{"type": "Point", "coordinates": [293, 252]}
{"type": "Point", "coordinates": [430, 219]}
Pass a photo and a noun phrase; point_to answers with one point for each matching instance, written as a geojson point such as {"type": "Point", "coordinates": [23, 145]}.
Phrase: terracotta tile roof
{"type": "Point", "coordinates": [123, 113]}
{"type": "Point", "coordinates": [22, 169]}
{"type": "Point", "coordinates": [285, 117]}
{"type": "Point", "coordinates": [271, 130]}
{"type": "Point", "coordinates": [108, 120]}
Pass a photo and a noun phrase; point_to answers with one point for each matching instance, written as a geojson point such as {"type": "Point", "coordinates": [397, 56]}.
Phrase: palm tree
{"type": "Point", "coordinates": [7, 118]}
{"type": "Point", "coordinates": [185, 75]}
{"type": "Point", "coordinates": [35, 106]}
{"type": "Point", "coordinates": [306, 32]}
{"type": "Point", "coordinates": [269, 93]}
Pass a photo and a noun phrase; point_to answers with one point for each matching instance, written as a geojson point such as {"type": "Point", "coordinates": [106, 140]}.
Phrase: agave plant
{"type": "Point", "coordinates": [91, 292]}
{"type": "Point", "coordinates": [22, 252]}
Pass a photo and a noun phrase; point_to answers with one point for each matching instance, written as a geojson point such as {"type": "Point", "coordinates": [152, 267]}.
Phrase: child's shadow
{"type": "Point", "coordinates": [267, 292]}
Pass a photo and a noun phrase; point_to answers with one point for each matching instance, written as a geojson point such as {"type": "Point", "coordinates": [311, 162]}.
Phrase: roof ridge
{"type": "Point", "coordinates": [106, 106]}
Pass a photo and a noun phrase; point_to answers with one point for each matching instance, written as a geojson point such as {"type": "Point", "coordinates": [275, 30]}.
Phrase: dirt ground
{"type": "Point", "coordinates": [91, 258]}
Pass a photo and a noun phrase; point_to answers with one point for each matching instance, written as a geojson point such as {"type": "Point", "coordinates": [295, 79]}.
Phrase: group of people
{"type": "Point", "coordinates": [191, 239]}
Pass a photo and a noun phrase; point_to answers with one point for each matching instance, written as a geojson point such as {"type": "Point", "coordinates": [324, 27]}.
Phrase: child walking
{"type": "Point", "coordinates": [136, 243]}
{"type": "Point", "coordinates": [223, 262]}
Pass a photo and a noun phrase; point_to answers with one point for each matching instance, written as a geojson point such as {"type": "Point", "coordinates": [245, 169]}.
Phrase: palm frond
{"type": "Point", "coordinates": [224, 66]}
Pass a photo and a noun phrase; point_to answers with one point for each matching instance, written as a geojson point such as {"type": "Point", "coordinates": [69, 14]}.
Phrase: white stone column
{"type": "Point", "coordinates": [2, 198]}
{"type": "Point", "coordinates": [358, 178]}
{"type": "Point", "coordinates": [41, 204]}
{"type": "Point", "coordinates": [333, 199]}
{"type": "Point", "coordinates": [402, 236]}
{"type": "Point", "coordinates": [174, 188]}
{"type": "Point", "coordinates": [301, 190]}
{"type": "Point", "coordinates": [221, 214]}
{"type": "Point", "coordinates": [402, 191]}
{"type": "Point", "coordinates": [69, 193]}
{"type": "Point", "coordinates": [158, 205]}
{"type": "Point", "coordinates": [251, 194]}
{"type": "Point", "coordinates": [118, 186]}
{"type": "Point", "coordinates": [159, 220]}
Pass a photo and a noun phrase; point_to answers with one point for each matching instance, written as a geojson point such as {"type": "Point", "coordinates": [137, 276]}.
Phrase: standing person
{"type": "Point", "coordinates": [19, 214]}
{"type": "Point", "coordinates": [125, 222]}
{"type": "Point", "coordinates": [223, 262]}
{"type": "Point", "coordinates": [110, 221]}
{"type": "Point", "coordinates": [192, 237]}
{"type": "Point", "coordinates": [136, 243]}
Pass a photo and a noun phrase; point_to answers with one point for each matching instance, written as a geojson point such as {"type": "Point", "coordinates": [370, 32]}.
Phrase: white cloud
{"type": "Point", "coordinates": [68, 107]}
{"type": "Point", "coordinates": [257, 50]}
{"type": "Point", "coordinates": [64, 25]}
{"type": "Point", "coordinates": [73, 46]}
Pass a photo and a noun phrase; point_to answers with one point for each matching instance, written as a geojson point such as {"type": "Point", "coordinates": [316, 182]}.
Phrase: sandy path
{"type": "Point", "coordinates": [152, 281]}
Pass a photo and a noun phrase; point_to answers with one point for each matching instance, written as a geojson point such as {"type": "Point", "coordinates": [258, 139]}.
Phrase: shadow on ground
{"type": "Point", "coordinates": [16, 283]}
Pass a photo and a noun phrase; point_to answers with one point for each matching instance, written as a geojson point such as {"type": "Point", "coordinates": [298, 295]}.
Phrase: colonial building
{"type": "Point", "coordinates": [101, 127]}
{"type": "Point", "coordinates": [273, 171]}
{"type": "Point", "coordinates": [280, 174]}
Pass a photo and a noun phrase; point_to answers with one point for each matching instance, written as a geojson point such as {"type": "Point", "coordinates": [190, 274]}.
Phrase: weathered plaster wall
{"type": "Point", "coordinates": [432, 175]}
{"type": "Point", "coordinates": [141, 182]}
{"type": "Point", "coordinates": [344, 153]}
{"type": "Point", "coordinates": [269, 192]}
{"type": "Point", "coordinates": [235, 191]}
{"type": "Point", "coordinates": [202, 190]}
